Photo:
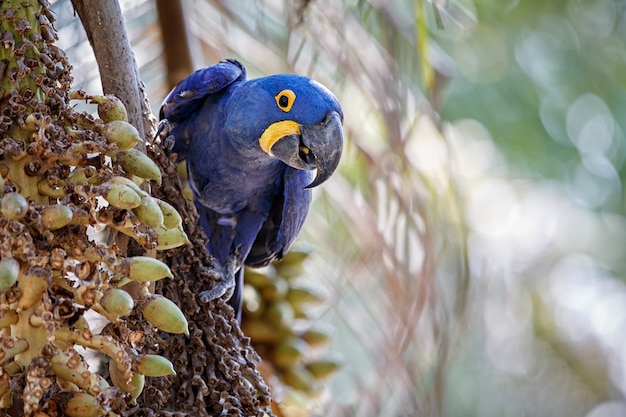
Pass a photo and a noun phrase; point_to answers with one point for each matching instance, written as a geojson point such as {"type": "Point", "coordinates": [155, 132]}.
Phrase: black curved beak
{"type": "Point", "coordinates": [316, 147]}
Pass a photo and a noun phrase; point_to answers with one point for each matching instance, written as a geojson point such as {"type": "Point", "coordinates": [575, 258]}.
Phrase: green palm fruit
{"type": "Point", "coordinates": [259, 279]}
{"type": "Point", "coordinates": [122, 133]}
{"type": "Point", "coordinates": [117, 302]}
{"type": "Point", "coordinates": [253, 304]}
{"type": "Point", "coordinates": [260, 332]}
{"type": "Point", "coordinates": [82, 404]}
{"type": "Point", "coordinates": [55, 191]}
{"type": "Point", "coordinates": [291, 265]}
{"type": "Point", "coordinates": [110, 108]}
{"type": "Point", "coordinates": [165, 315]}
{"type": "Point", "coordinates": [121, 196]}
{"type": "Point", "coordinates": [315, 336]}
{"type": "Point", "coordinates": [138, 163]}
{"type": "Point", "coordinates": [181, 172]}
{"type": "Point", "coordinates": [149, 212]}
{"type": "Point", "coordinates": [289, 352]}
{"type": "Point", "coordinates": [13, 206]}
{"type": "Point", "coordinates": [56, 216]}
{"type": "Point", "coordinates": [277, 289]}
{"type": "Point", "coordinates": [323, 368]}
{"type": "Point", "coordinates": [171, 217]}
{"type": "Point", "coordinates": [9, 271]}
{"type": "Point", "coordinates": [299, 296]}
{"type": "Point", "coordinates": [295, 403]}
{"type": "Point", "coordinates": [129, 183]}
{"type": "Point", "coordinates": [83, 175]}
{"type": "Point", "coordinates": [170, 238]}
{"type": "Point", "coordinates": [280, 313]}
{"type": "Point", "coordinates": [134, 387]}
{"type": "Point", "coordinates": [155, 365]}
{"type": "Point", "coordinates": [299, 378]}
{"type": "Point", "coordinates": [144, 268]}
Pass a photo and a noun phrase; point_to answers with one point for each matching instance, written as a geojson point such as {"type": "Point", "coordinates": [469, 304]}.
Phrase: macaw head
{"type": "Point", "coordinates": [288, 117]}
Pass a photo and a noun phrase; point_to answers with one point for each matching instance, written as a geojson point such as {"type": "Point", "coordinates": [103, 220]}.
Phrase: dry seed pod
{"type": "Point", "coordinates": [7, 318]}
{"type": "Point", "coordinates": [117, 302]}
{"type": "Point", "coordinates": [170, 238]}
{"type": "Point", "coordinates": [155, 365]}
{"type": "Point", "coordinates": [56, 216]}
{"type": "Point", "coordinates": [72, 369]}
{"type": "Point", "coordinates": [149, 212]}
{"type": "Point", "coordinates": [122, 133]}
{"type": "Point", "coordinates": [138, 163]}
{"type": "Point", "coordinates": [32, 284]}
{"type": "Point", "coordinates": [165, 315]}
{"type": "Point", "coordinates": [13, 206]}
{"type": "Point", "coordinates": [82, 404]}
{"type": "Point", "coordinates": [121, 196]}
{"type": "Point", "coordinates": [145, 268]}
{"type": "Point", "coordinates": [9, 271]}
{"type": "Point", "coordinates": [110, 108]}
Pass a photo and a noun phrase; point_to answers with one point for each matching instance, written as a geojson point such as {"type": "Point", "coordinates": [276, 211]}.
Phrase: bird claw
{"type": "Point", "coordinates": [223, 289]}
{"type": "Point", "coordinates": [163, 132]}
{"type": "Point", "coordinates": [226, 276]}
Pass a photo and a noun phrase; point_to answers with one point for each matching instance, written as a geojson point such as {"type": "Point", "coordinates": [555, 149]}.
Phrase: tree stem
{"type": "Point", "coordinates": [104, 24]}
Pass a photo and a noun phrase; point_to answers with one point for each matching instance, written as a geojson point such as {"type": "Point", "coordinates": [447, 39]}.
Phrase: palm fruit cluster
{"type": "Point", "coordinates": [68, 181]}
{"type": "Point", "coordinates": [279, 316]}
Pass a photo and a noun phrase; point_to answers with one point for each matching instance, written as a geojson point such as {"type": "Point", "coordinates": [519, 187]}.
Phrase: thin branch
{"type": "Point", "coordinates": [104, 24]}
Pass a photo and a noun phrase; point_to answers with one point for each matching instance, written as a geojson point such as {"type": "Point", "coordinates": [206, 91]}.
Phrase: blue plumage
{"type": "Point", "coordinates": [251, 147]}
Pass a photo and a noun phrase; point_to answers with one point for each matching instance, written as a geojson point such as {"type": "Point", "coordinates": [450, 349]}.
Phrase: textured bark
{"type": "Point", "coordinates": [104, 24]}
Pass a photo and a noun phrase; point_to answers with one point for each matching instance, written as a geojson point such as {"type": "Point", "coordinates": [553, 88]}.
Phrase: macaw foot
{"type": "Point", "coordinates": [226, 276]}
{"type": "Point", "coordinates": [163, 133]}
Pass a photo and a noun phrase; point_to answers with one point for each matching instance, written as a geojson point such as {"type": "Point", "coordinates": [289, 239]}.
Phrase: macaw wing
{"type": "Point", "coordinates": [191, 93]}
{"type": "Point", "coordinates": [285, 220]}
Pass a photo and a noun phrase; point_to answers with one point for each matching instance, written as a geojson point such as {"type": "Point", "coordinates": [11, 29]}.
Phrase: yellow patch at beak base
{"type": "Point", "coordinates": [277, 131]}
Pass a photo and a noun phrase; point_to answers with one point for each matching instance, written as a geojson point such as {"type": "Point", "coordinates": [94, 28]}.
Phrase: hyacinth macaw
{"type": "Point", "coordinates": [251, 147]}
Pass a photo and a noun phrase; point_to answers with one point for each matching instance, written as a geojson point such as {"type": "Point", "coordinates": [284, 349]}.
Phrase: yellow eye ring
{"type": "Point", "coordinates": [285, 99]}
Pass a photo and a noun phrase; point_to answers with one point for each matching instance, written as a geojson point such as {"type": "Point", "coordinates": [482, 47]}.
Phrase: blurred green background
{"type": "Point", "coordinates": [471, 246]}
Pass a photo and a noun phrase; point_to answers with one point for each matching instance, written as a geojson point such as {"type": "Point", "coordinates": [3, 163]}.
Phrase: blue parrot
{"type": "Point", "coordinates": [251, 147]}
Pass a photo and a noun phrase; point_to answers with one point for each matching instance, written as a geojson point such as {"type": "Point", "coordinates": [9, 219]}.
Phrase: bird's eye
{"type": "Point", "coordinates": [285, 100]}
